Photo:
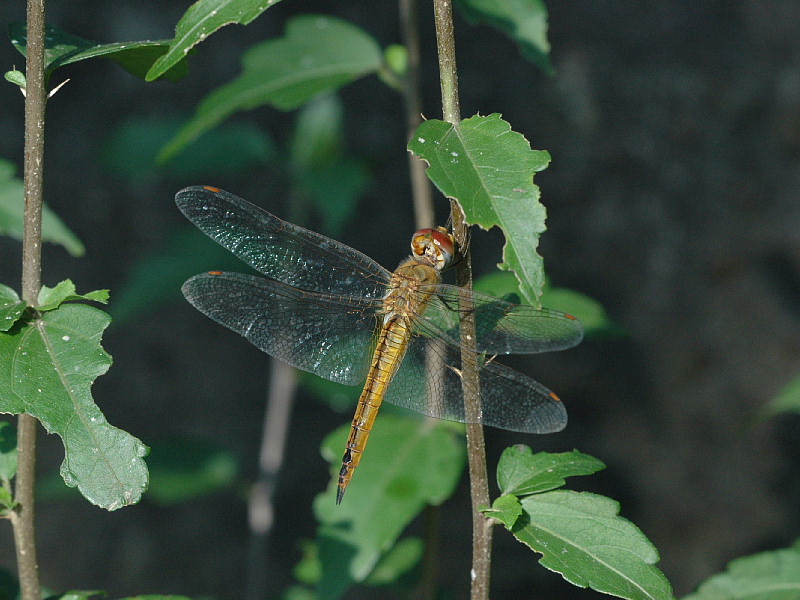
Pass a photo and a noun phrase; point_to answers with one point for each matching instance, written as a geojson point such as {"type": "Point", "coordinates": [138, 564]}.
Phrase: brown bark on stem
{"type": "Point", "coordinates": [476, 454]}
{"type": "Point", "coordinates": [35, 98]}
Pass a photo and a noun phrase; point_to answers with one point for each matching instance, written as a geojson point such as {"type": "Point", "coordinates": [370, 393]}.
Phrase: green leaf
{"type": "Point", "coordinates": [787, 400]}
{"type": "Point", "coordinates": [773, 575]}
{"type": "Point", "coordinates": [81, 594]}
{"type": "Point", "coordinates": [52, 298]}
{"type": "Point", "coordinates": [500, 284]}
{"type": "Point", "coordinates": [321, 171]}
{"type": "Point", "coordinates": [521, 472]}
{"type": "Point", "coordinates": [318, 54]}
{"type": "Point", "coordinates": [182, 470]}
{"type": "Point", "coordinates": [11, 307]}
{"type": "Point", "coordinates": [54, 359]}
{"type": "Point", "coordinates": [156, 280]}
{"type": "Point", "coordinates": [506, 509]}
{"type": "Point", "coordinates": [318, 137]}
{"type": "Point", "coordinates": [16, 77]}
{"type": "Point", "coordinates": [582, 536]}
{"type": "Point", "coordinates": [589, 311]}
{"type": "Point", "coordinates": [335, 190]}
{"type": "Point", "coordinates": [12, 208]}
{"type": "Point", "coordinates": [62, 48]}
{"type": "Point", "coordinates": [408, 464]}
{"type": "Point", "coordinates": [200, 20]}
{"type": "Point", "coordinates": [396, 58]}
{"type": "Point", "coordinates": [524, 21]}
{"type": "Point", "coordinates": [230, 149]}
{"type": "Point", "coordinates": [309, 569]}
{"type": "Point", "coordinates": [7, 504]}
{"type": "Point", "coordinates": [156, 597]}
{"type": "Point", "coordinates": [339, 397]}
{"type": "Point", "coordinates": [297, 592]}
{"type": "Point", "coordinates": [489, 169]}
{"type": "Point", "coordinates": [8, 451]}
{"type": "Point", "coordinates": [398, 560]}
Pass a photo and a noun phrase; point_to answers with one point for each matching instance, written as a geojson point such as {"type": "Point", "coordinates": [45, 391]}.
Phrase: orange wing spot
{"type": "Point", "coordinates": [569, 316]}
{"type": "Point", "coordinates": [554, 397]}
{"type": "Point", "coordinates": [215, 272]}
{"type": "Point", "coordinates": [211, 188]}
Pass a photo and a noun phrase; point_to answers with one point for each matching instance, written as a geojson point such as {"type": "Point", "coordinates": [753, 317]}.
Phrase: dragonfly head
{"type": "Point", "coordinates": [434, 245]}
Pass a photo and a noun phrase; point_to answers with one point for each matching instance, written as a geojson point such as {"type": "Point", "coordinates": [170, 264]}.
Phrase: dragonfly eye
{"type": "Point", "coordinates": [434, 244]}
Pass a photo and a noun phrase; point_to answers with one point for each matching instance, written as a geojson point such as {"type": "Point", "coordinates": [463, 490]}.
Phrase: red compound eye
{"type": "Point", "coordinates": [434, 243]}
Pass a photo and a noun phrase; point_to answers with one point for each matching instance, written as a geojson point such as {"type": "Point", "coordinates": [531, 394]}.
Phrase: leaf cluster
{"type": "Point", "coordinates": [55, 346]}
{"type": "Point", "coordinates": [50, 353]}
{"type": "Point", "coordinates": [579, 535]}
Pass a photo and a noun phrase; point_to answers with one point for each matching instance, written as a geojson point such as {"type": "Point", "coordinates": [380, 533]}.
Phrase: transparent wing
{"type": "Point", "coordinates": [501, 327]}
{"type": "Point", "coordinates": [281, 250]}
{"type": "Point", "coordinates": [428, 382]}
{"type": "Point", "coordinates": [331, 336]}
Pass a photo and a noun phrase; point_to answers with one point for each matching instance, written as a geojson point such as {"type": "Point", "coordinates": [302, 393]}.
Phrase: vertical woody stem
{"type": "Point", "coordinates": [446, 47]}
{"type": "Point", "coordinates": [35, 99]}
{"type": "Point", "coordinates": [22, 518]}
{"type": "Point", "coordinates": [476, 454]}
{"type": "Point", "coordinates": [422, 196]}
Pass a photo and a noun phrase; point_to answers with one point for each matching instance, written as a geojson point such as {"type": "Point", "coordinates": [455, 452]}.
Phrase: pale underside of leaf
{"type": "Point", "coordinates": [201, 20]}
{"type": "Point", "coordinates": [772, 575]}
{"type": "Point", "coordinates": [54, 361]}
{"type": "Point", "coordinates": [12, 207]}
{"type": "Point", "coordinates": [525, 21]}
{"type": "Point", "coordinates": [317, 54]}
{"type": "Point", "coordinates": [581, 536]}
{"type": "Point", "coordinates": [521, 472]}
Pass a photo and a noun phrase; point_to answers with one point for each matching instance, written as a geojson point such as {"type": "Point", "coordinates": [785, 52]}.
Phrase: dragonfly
{"type": "Point", "coordinates": [326, 308]}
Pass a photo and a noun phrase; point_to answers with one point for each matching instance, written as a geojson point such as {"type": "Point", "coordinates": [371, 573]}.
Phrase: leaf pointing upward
{"type": "Point", "coordinates": [489, 169]}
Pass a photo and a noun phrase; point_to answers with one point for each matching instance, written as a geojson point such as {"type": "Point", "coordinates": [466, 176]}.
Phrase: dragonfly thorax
{"type": "Point", "coordinates": [435, 246]}
{"type": "Point", "coordinates": [409, 289]}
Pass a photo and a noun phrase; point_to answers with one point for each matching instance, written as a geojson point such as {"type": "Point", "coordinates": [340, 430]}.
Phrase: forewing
{"type": "Point", "coordinates": [501, 327]}
{"type": "Point", "coordinates": [281, 250]}
{"type": "Point", "coordinates": [429, 382]}
{"type": "Point", "coordinates": [326, 335]}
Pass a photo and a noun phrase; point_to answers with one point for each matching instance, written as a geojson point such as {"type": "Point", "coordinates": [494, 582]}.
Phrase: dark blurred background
{"type": "Point", "coordinates": [672, 198]}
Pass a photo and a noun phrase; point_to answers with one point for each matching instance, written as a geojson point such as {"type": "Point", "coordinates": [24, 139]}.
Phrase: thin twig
{"type": "Point", "coordinates": [35, 99]}
{"type": "Point", "coordinates": [476, 454]}
{"type": "Point", "coordinates": [446, 48]}
{"type": "Point", "coordinates": [476, 450]}
{"type": "Point", "coordinates": [424, 216]}
{"type": "Point", "coordinates": [261, 510]}
{"type": "Point", "coordinates": [421, 191]}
